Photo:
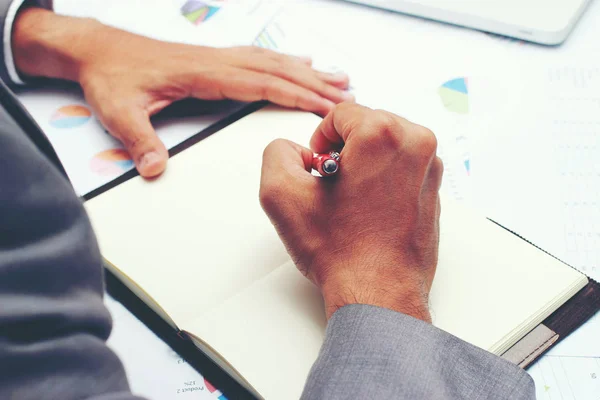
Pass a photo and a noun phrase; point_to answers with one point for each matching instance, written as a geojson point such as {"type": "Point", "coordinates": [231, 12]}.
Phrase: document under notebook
{"type": "Point", "coordinates": [196, 247]}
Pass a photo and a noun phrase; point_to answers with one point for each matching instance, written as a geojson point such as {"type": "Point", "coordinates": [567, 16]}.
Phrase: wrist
{"type": "Point", "coordinates": [49, 45]}
{"type": "Point", "coordinates": [408, 297]}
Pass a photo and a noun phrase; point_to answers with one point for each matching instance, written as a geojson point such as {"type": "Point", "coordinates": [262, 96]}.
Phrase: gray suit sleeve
{"type": "Point", "coordinates": [5, 58]}
{"type": "Point", "coordinates": [371, 352]}
{"type": "Point", "coordinates": [53, 323]}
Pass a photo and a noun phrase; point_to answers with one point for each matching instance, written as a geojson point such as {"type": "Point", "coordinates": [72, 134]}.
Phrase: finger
{"type": "Point", "coordinates": [315, 81]}
{"type": "Point", "coordinates": [288, 68]}
{"type": "Point", "coordinates": [246, 85]}
{"type": "Point", "coordinates": [242, 54]}
{"type": "Point", "coordinates": [340, 80]}
{"type": "Point", "coordinates": [302, 59]}
{"type": "Point", "coordinates": [434, 175]}
{"type": "Point", "coordinates": [285, 170]}
{"type": "Point", "coordinates": [136, 133]}
{"type": "Point", "coordinates": [338, 126]}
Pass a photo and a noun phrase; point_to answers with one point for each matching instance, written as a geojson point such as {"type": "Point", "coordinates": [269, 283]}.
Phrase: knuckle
{"type": "Point", "coordinates": [259, 51]}
{"type": "Point", "coordinates": [268, 86]}
{"type": "Point", "coordinates": [270, 149]}
{"type": "Point", "coordinates": [270, 55]}
{"type": "Point", "coordinates": [424, 241]}
{"type": "Point", "coordinates": [425, 142]}
{"type": "Point", "coordinates": [436, 172]}
{"type": "Point", "coordinates": [324, 88]}
{"type": "Point", "coordinates": [274, 146]}
{"type": "Point", "coordinates": [270, 187]}
{"type": "Point", "coordinates": [437, 167]}
{"type": "Point", "coordinates": [265, 194]}
{"type": "Point", "coordinates": [137, 141]}
{"type": "Point", "coordinates": [388, 128]}
{"type": "Point", "coordinates": [281, 65]}
{"type": "Point", "coordinates": [297, 101]}
{"type": "Point", "coordinates": [270, 195]}
{"type": "Point", "coordinates": [353, 118]}
{"type": "Point", "coordinates": [133, 140]}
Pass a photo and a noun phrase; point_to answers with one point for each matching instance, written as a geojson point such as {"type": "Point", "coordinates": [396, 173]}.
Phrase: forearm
{"type": "Point", "coordinates": [53, 46]}
{"type": "Point", "coordinates": [49, 45]}
{"type": "Point", "coordinates": [377, 353]}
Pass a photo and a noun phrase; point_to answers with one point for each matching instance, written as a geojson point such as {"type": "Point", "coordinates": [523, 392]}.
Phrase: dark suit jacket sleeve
{"type": "Point", "coordinates": [370, 352]}
{"type": "Point", "coordinates": [53, 323]}
{"type": "Point", "coordinates": [8, 12]}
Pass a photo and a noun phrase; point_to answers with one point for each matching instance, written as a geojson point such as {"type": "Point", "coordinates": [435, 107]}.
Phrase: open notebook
{"type": "Point", "coordinates": [196, 246]}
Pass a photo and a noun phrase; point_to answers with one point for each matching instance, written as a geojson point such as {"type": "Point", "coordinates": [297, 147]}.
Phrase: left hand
{"type": "Point", "coordinates": [128, 78]}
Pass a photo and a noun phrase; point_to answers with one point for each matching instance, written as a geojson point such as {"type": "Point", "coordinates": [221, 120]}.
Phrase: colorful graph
{"type": "Point", "coordinates": [214, 390]}
{"type": "Point", "coordinates": [268, 37]}
{"type": "Point", "coordinates": [462, 147]}
{"type": "Point", "coordinates": [198, 12]}
{"type": "Point", "coordinates": [455, 95]}
{"type": "Point", "coordinates": [70, 116]}
{"type": "Point", "coordinates": [111, 162]}
{"type": "Point", "coordinates": [467, 164]}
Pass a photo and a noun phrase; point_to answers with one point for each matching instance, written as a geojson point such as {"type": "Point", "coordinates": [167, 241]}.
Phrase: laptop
{"type": "Point", "coordinates": [541, 21]}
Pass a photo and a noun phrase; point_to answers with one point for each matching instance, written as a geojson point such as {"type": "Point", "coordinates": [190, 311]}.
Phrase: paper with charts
{"type": "Point", "coordinates": [554, 148]}
{"type": "Point", "coordinates": [171, 376]}
{"type": "Point", "coordinates": [217, 23]}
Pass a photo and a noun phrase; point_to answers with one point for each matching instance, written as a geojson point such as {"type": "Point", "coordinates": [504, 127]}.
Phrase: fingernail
{"type": "Point", "coordinates": [149, 159]}
{"type": "Point", "coordinates": [347, 96]}
{"type": "Point", "coordinates": [306, 60]}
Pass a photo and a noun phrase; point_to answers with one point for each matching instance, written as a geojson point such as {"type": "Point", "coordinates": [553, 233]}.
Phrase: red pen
{"type": "Point", "coordinates": [326, 164]}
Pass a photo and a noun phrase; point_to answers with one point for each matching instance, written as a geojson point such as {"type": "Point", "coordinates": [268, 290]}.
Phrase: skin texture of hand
{"type": "Point", "coordinates": [128, 78]}
{"type": "Point", "coordinates": [370, 234]}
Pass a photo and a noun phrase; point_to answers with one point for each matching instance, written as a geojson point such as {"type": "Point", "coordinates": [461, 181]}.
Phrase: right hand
{"type": "Point", "coordinates": [370, 234]}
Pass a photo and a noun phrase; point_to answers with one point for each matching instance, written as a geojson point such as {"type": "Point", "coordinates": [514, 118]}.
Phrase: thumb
{"type": "Point", "coordinates": [136, 133]}
{"type": "Point", "coordinates": [285, 179]}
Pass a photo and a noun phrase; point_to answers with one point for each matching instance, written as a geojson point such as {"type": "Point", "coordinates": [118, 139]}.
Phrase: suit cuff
{"type": "Point", "coordinates": [11, 14]}
{"type": "Point", "coordinates": [370, 350]}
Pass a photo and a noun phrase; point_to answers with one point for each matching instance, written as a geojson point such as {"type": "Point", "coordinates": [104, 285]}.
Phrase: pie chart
{"type": "Point", "coordinates": [111, 162]}
{"type": "Point", "coordinates": [198, 12]}
{"type": "Point", "coordinates": [71, 116]}
{"type": "Point", "coordinates": [214, 390]}
{"type": "Point", "coordinates": [455, 95]}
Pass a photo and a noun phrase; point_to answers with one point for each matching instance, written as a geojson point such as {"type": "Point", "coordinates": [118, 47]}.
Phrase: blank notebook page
{"type": "Point", "coordinates": [491, 287]}
{"type": "Point", "coordinates": [198, 242]}
{"type": "Point", "coordinates": [197, 235]}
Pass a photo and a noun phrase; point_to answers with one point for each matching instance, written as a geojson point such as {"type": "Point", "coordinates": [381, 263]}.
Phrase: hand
{"type": "Point", "coordinates": [127, 78]}
{"type": "Point", "coordinates": [369, 234]}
